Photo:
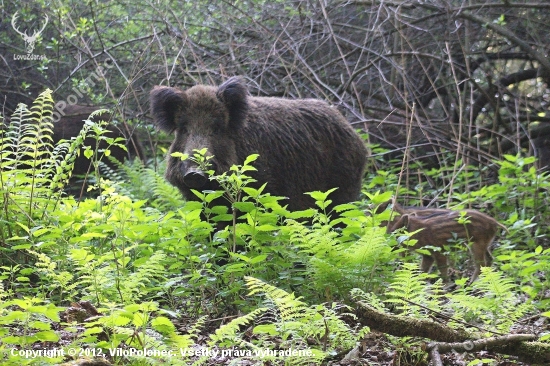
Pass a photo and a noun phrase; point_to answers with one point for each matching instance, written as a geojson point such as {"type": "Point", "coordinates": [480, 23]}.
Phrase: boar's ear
{"type": "Point", "coordinates": [166, 103]}
{"type": "Point", "coordinates": [233, 93]}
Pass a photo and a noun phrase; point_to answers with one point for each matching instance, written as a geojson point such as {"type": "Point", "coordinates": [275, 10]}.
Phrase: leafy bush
{"type": "Point", "coordinates": [147, 259]}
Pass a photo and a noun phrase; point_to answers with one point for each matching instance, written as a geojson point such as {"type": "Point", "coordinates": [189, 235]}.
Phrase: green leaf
{"type": "Point", "coordinates": [22, 246]}
{"type": "Point", "coordinates": [163, 325]}
{"type": "Point", "coordinates": [13, 316]}
{"type": "Point", "coordinates": [211, 196]}
{"type": "Point", "coordinates": [12, 340]}
{"type": "Point", "coordinates": [39, 325]}
{"type": "Point", "coordinates": [93, 330]}
{"type": "Point", "coordinates": [81, 255]}
{"type": "Point", "coordinates": [267, 227]}
{"type": "Point", "coordinates": [423, 251]}
{"type": "Point", "coordinates": [258, 259]}
{"type": "Point", "coordinates": [23, 304]}
{"type": "Point", "coordinates": [321, 196]}
{"type": "Point", "coordinates": [251, 158]}
{"type": "Point", "coordinates": [40, 309]}
{"type": "Point", "coordinates": [237, 267]}
{"type": "Point", "coordinates": [24, 227]}
{"type": "Point", "coordinates": [47, 336]}
{"type": "Point", "coordinates": [120, 320]}
{"type": "Point", "coordinates": [244, 206]}
{"type": "Point", "coordinates": [132, 308]}
{"type": "Point", "coordinates": [88, 153]}
{"type": "Point", "coordinates": [269, 329]}
{"type": "Point", "coordinates": [140, 319]}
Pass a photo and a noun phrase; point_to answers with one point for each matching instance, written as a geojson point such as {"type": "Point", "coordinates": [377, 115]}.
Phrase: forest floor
{"type": "Point", "coordinates": [375, 348]}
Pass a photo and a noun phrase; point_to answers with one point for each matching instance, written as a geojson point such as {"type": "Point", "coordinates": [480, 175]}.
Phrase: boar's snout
{"type": "Point", "coordinates": [195, 178]}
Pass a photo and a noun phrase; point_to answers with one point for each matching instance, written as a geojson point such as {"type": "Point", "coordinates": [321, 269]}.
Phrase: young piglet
{"type": "Point", "coordinates": [441, 226]}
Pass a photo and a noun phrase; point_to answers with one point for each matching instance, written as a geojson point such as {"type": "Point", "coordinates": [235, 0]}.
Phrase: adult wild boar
{"type": "Point", "coordinates": [72, 121]}
{"type": "Point", "coordinates": [303, 145]}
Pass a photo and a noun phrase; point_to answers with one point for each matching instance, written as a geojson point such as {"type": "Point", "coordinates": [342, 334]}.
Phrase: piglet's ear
{"type": "Point", "coordinates": [233, 94]}
{"type": "Point", "coordinates": [166, 104]}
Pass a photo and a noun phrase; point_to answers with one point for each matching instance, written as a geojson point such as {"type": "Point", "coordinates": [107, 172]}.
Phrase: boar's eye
{"type": "Point", "coordinates": [182, 130]}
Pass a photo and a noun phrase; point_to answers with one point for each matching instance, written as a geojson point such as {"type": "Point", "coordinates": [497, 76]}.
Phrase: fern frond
{"type": "Point", "coordinates": [411, 287]}
{"type": "Point", "coordinates": [493, 284]}
{"type": "Point", "coordinates": [197, 327]}
{"type": "Point", "coordinates": [64, 156]}
{"type": "Point", "coordinates": [227, 333]}
{"type": "Point", "coordinates": [37, 141]}
{"type": "Point", "coordinates": [26, 148]}
{"type": "Point", "coordinates": [141, 182]}
{"type": "Point", "coordinates": [289, 307]}
{"type": "Point", "coordinates": [140, 282]}
{"type": "Point", "coordinates": [492, 300]}
{"type": "Point", "coordinates": [321, 318]}
{"type": "Point", "coordinates": [369, 297]}
{"type": "Point", "coordinates": [340, 263]}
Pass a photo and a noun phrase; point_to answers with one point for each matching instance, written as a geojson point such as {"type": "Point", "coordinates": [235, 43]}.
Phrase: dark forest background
{"type": "Point", "coordinates": [463, 76]}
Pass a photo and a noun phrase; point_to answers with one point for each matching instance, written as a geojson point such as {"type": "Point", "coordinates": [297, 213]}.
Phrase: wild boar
{"type": "Point", "coordinates": [398, 210]}
{"type": "Point", "coordinates": [72, 121]}
{"type": "Point", "coordinates": [441, 227]}
{"type": "Point", "coordinates": [303, 145]}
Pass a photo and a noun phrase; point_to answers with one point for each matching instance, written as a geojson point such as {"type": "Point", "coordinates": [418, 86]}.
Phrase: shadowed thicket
{"type": "Point", "coordinates": [423, 78]}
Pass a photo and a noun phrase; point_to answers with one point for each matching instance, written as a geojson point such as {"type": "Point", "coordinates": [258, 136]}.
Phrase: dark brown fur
{"type": "Point", "coordinates": [72, 122]}
{"type": "Point", "coordinates": [303, 145]}
{"type": "Point", "coordinates": [441, 226]}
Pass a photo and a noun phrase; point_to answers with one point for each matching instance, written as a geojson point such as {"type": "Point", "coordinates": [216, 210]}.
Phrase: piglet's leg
{"type": "Point", "coordinates": [442, 265]}
{"type": "Point", "coordinates": [481, 254]}
{"type": "Point", "coordinates": [427, 262]}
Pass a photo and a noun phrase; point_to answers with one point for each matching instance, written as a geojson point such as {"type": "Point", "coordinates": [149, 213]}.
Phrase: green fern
{"type": "Point", "coordinates": [141, 182]}
{"type": "Point", "coordinates": [288, 323]}
{"type": "Point", "coordinates": [143, 280]}
{"type": "Point", "coordinates": [410, 288]}
{"type": "Point", "coordinates": [93, 275]}
{"type": "Point", "coordinates": [33, 172]}
{"type": "Point", "coordinates": [368, 297]}
{"type": "Point", "coordinates": [492, 301]}
{"type": "Point", "coordinates": [338, 263]}
{"type": "Point", "coordinates": [226, 335]}
{"type": "Point", "coordinates": [61, 281]}
{"type": "Point", "coordinates": [25, 168]}
{"type": "Point", "coordinates": [66, 151]}
{"type": "Point", "coordinates": [367, 260]}
{"type": "Point", "coordinates": [289, 307]}
{"type": "Point", "coordinates": [104, 281]}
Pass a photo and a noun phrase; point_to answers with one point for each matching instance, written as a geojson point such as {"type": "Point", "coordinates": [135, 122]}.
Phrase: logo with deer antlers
{"type": "Point", "coordinates": [29, 40]}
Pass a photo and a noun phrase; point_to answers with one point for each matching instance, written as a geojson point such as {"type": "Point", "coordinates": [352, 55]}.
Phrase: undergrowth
{"type": "Point", "coordinates": [136, 267]}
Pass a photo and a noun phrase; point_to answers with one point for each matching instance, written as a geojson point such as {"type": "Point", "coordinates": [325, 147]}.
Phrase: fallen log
{"type": "Point", "coordinates": [448, 339]}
